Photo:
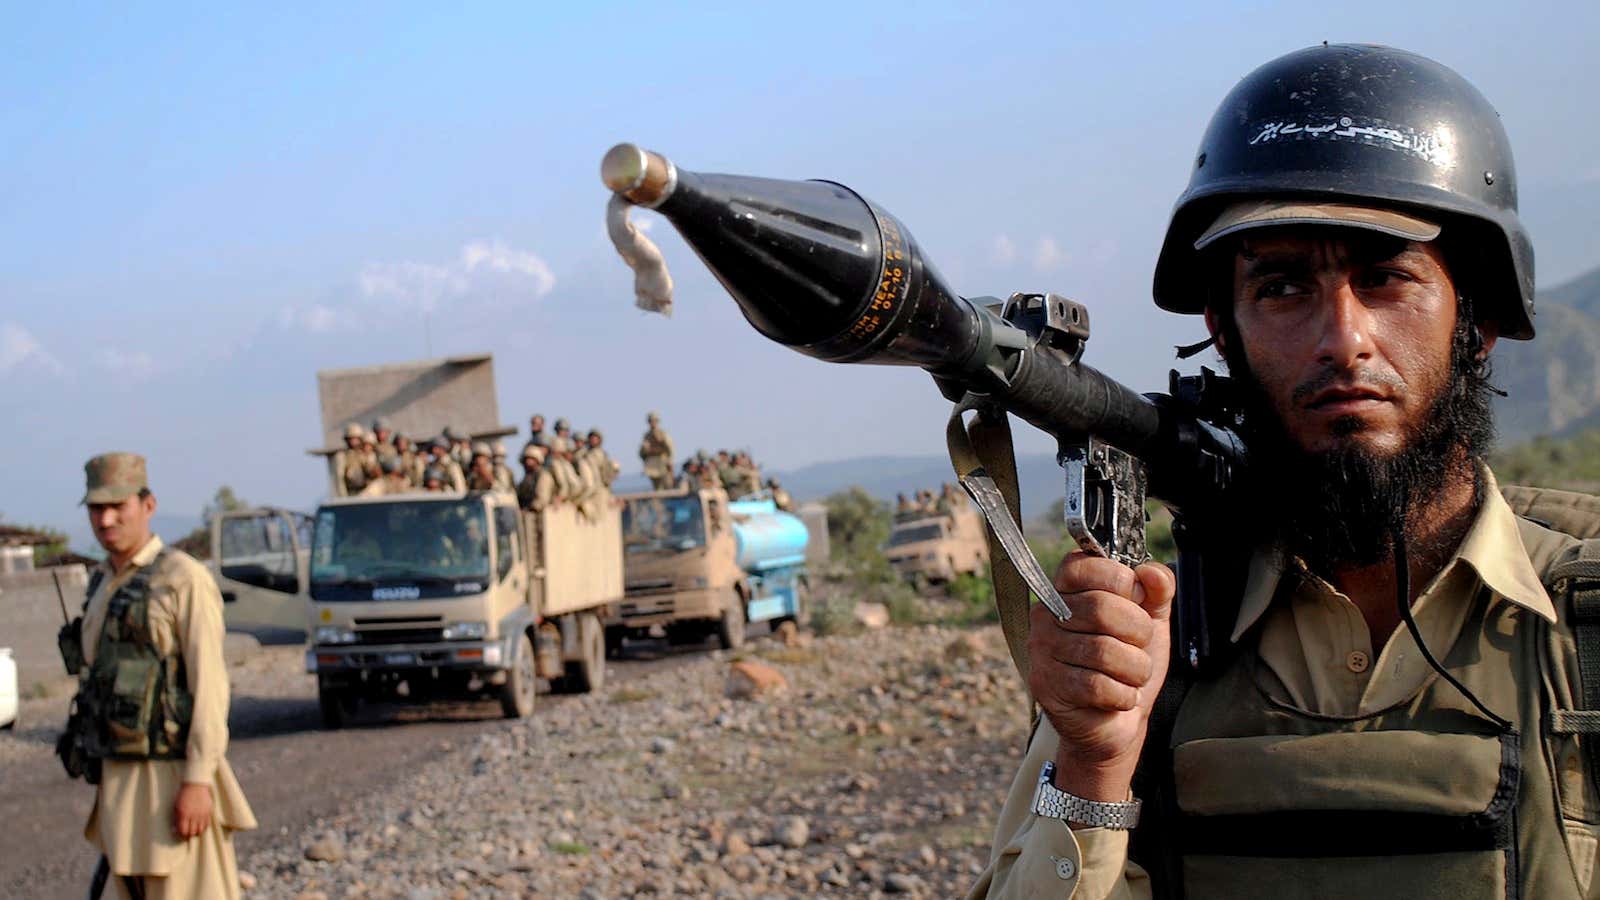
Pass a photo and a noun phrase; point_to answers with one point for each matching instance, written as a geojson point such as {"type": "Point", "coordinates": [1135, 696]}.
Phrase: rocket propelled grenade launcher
{"type": "Point", "coordinates": [819, 268]}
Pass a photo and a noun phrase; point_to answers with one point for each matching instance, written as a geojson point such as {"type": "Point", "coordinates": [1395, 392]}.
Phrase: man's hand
{"type": "Point", "coordinates": [1096, 675]}
{"type": "Point", "coordinates": [191, 814]}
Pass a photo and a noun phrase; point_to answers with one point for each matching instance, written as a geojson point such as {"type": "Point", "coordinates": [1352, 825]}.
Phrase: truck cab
{"type": "Point", "coordinates": [937, 548]}
{"type": "Point", "coordinates": [698, 564]}
{"type": "Point", "coordinates": [428, 594]}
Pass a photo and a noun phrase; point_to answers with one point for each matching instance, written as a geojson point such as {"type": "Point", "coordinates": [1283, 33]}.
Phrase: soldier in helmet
{"type": "Point", "coordinates": [568, 482]}
{"type": "Point", "coordinates": [504, 480]}
{"type": "Point", "coordinates": [460, 447]}
{"type": "Point", "coordinates": [434, 479]}
{"type": "Point", "coordinates": [532, 470]}
{"type": "Point", "coordinates": [780, 497]}
{"type": "Point", "coordinates": [353, 468]}
{"type": "Point", "coordinates": [383, 439]}
{"type": "Point", "coordinates": [480, 477]}
{"type": "Point", "coordinates": [150, 726]}
{"type": "Point", "coordinates": [410, 463]}
{"type": "Point", "coordinates": [536, 435]}
{"type": "Point", "coordinates": [606, 468]}
{"type": "Point", "coordinates": [904, 509]}
{"type": "Point", "coordinates": [394, 480]}
{"type": "Point", "coordinates": [439, 457]}
{"type": "Point", "coordinates": [563, 430]}
{"type": "Point", "coordinates": [655, 450]}
{"type": "Point", "coordinates": [1350, 237]}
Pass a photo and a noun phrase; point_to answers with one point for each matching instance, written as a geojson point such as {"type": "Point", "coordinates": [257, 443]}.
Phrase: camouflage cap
{"type": "Point", "coordinates": [480, 448]}
{"type": "Point", "coordinates": [114, 477]}
{"type": "Point", "coordinates": [561, 445]}
{"type": "Point", "coordinates": [354, 430]}
{"type": "Point", "coordinates": [653, 417]}
{"type": "Point", "coordinates": [439, 443]}
{"type": "Point", "coordinates": [450, 434]}
{"type": "Point", "coordinates": [595, 433]}
{"type": "Point", "coordinates": [381, 423]}
{"type": "Point", "coordinates": [563, 425]}
{"type": "Point", "coordinates": [432, 473]}
{"type": "Point", "coordinates": [533, 451]}
{"type": "Point", "coordinates": [390, 464]}
{"type": "Point", "coordinates": [499, 449]}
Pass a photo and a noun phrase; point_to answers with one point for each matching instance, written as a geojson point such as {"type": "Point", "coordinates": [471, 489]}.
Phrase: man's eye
{"type": "Point", "coordinates": [1273, 289]}
{"type": "Point", "coordinates": [1381, 278]}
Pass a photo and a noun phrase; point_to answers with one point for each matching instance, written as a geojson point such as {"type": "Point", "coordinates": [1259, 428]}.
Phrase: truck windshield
{"type": "Point", "coordinates": [436, 547]}
{"type": "Point", "coordinates": [663, 523]}
{"type": "Point", "coordinates": [912, 534]}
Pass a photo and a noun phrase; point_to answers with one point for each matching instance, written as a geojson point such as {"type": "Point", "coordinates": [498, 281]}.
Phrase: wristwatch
{"type": "Point", "coordinates": [1057, 804]}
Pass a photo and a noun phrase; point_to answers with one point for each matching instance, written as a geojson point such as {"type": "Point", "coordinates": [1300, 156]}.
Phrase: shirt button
{"type": "Point", "coordinates": [1066, 869]}
{"type": "Point", "coordinates": [1357, 661]}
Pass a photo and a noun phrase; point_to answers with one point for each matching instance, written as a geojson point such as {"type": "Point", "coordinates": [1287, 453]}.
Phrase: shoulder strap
{"type": "Point", "coordinates": [1579, 577]}
{"type": "Point", "coordinates": [1151, 844]}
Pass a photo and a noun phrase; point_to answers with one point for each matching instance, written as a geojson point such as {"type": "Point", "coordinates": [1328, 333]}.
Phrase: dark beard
{"type": "Point", "coordinates": [1340, 508]}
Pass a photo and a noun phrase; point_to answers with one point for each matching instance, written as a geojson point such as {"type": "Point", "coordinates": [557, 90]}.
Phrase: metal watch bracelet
{"type": "Point", "coordinates": [1050, 802]}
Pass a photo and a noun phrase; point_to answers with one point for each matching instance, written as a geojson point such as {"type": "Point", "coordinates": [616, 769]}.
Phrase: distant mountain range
{"type": "Point", "coordinates": [1553, 382]}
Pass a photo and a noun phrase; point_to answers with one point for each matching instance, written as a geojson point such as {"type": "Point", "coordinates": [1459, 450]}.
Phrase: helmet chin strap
{"type": "Point", "coordinates": [1402, 579]}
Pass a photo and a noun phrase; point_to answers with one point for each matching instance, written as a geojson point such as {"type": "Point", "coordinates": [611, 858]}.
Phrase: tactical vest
{"type": "Point", "coordinates": [1427, 799]}
{"type": "Point", "coordinates": [137, 700]}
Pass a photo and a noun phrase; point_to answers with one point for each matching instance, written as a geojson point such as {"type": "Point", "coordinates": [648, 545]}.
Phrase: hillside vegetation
{"type": "Point", "coordinates": [1569, 463]}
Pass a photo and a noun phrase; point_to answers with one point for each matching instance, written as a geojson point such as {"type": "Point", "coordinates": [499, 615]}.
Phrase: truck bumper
{"type": "Point", "coordinates": [644, 610]}
{"type": "Point", "coordinates": [481, 656]}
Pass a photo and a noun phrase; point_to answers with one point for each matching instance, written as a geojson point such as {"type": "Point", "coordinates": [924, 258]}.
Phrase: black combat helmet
{"type": "Point", "coordinates": [1372, 127]}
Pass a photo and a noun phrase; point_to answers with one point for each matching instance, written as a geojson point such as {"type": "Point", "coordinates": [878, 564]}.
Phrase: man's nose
{"type": "Point", "coordinates": [103, 517]}
{"type": "Point", "coordinates": [1346, 337]}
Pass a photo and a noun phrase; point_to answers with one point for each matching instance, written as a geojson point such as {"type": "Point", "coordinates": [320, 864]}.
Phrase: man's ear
{"type": "Point", "coordinates": [1491, 333]}
{"type": "Point", "coordinates": [1214, 327]}
{"type": "Point", "coordinates": [149, 501]}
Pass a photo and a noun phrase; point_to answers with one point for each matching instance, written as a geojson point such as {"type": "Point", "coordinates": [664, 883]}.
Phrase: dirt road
{"type": "Point", "coordinates": [293, 772]}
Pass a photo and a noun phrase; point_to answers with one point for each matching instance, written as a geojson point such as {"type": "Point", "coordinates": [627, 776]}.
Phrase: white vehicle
{"type": "Point", "coordinates": [8, 690]}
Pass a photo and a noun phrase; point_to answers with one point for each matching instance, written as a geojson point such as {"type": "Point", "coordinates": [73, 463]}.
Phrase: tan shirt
{"type": "Point", "coordinates": [1315, 640]}
{"type": "Point", "coordinates": [132, 817]}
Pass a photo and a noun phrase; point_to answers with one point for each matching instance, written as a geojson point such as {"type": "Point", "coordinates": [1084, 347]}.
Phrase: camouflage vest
{"type": "Point", "coordinates": [1429, 798]}
{"type": "Point", "coordinates": [137, 700]}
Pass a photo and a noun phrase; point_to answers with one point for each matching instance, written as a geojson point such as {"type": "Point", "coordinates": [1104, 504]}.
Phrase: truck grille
{"type": "Point", "coordinates": [648, 606]}
{"type": "Point", "coordinates": [399, 635]}
{"type": "Point", "coordinates": [645, 588]}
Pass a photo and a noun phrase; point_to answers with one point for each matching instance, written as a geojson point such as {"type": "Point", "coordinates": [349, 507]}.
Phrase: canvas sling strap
{"type": "Point", "coordinates": [986, 467]}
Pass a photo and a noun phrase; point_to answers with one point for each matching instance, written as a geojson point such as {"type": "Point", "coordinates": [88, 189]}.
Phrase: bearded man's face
{"type": "Point", "coordinates": [1364, 384]}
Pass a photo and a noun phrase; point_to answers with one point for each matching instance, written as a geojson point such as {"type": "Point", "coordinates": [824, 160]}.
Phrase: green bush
{"type": "Point", "coordinates": [834, 615]}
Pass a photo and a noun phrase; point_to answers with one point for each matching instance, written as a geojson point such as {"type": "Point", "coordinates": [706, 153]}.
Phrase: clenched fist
{"type": "Point", "coordinates": [1096, 675]}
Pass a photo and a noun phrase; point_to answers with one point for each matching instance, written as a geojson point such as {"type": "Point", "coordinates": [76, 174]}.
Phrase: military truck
{"type": "Point", "coordinates": [937, 548]}
{"type": "Point", "coordinates": [416, 596]}
{"type": "Point", "coordinates": [698, 564]}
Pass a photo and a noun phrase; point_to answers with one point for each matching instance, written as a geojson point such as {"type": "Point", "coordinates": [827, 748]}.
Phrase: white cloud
{"type": "Point", "coordinates": [1002, 250]}
{"type": "Point", "coordinates": [485, 273]}
{"type": "Point", "coordinates": [1048, 255]}
{"type": "Point", "coordinates": [19, 348]}
{"type": "Point", "coordinates": [495, 256]}
{"type": "Point", "coordinates": [486, 269]}
{"type": "Point", "coordinates": [135, 364]}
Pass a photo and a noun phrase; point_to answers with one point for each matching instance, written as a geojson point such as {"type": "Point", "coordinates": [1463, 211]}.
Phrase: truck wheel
{"type": "Point", "coordinates": [522, 685]}
{"type": "Point", "coordinates": [336, 705]}
{"type": "Point", "coordinates": [588, 673]}
{"type": "Point", "coordinates": [730, 628]}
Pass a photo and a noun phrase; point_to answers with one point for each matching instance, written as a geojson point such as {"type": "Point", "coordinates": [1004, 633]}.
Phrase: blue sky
{"type": "Point", "coordinates": [201, 207]}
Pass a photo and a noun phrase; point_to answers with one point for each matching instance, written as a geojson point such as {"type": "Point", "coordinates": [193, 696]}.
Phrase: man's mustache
{"type": "Point", "coordinates": [1387, 382]}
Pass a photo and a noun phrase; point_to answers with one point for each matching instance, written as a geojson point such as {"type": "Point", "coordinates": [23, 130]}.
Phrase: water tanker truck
{"type": "Point", "coordinates": [696, 563]}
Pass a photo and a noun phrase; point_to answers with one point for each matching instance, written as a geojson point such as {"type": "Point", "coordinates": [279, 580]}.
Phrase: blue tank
{"type": "Point", "coordinates": [767, 539]}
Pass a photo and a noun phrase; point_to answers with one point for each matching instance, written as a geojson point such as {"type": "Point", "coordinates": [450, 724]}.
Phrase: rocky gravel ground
{"type": "Point", "coordinates": [859, 765]}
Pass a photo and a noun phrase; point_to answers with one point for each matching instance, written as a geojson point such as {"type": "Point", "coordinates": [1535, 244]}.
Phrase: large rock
{"type": "Point", "coordinates": [748, 679]}
{"type": "Point", "coordinates": [969, 645]}
{"type": "Point", "coordinates": [327, 848]}
{"type": "Point", "coordinates": [793, 831]}
{"type": "Point", "coordinates": [872, 615]}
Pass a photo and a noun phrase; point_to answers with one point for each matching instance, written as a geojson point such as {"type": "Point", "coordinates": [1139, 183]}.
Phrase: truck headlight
{"type": "Point", "coordinates": [465, 631]}
{"type": "Point", "coordinates": [334, 634]}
